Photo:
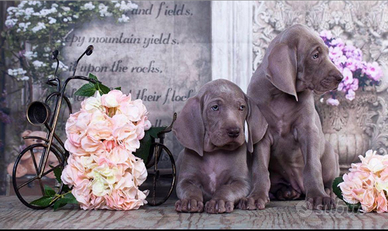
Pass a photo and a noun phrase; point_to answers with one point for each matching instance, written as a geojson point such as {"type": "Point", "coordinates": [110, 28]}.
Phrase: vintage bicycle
{"type": "Point", "coordinates": [49, 153]}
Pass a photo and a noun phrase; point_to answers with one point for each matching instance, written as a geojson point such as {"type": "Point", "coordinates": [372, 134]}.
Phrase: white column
{"type": "Point", "coordinates": [232, 41]}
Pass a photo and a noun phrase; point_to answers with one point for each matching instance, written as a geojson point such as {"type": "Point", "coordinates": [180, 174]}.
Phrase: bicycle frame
{"type": "Point", "coordinates": [60, 95]}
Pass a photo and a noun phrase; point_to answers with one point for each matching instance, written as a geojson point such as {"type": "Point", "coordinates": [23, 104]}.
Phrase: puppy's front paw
{"type": "Point", "coordinates": [189, 206]}
{"type": "Point", "coordinates": [320, 203]}
{"type": "Point", "coordinates": [254, 202]}
{"type": "Point", "coordinates": [219, 206]}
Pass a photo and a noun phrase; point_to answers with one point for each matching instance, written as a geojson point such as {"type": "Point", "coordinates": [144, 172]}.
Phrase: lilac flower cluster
{"type": "Point", "coordinates": [348, 59]}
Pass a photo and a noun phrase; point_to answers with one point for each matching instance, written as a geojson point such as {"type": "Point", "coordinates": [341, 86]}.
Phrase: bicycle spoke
{"type": "Point", "coordinates": [34, 161]}
{"type": "Point", "coordinates": [27, 182]}
{"type": "Point", "coordinates": [51, 169]}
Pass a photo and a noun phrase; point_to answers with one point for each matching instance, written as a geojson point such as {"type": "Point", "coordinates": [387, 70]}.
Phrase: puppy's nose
{"type": "Point", "coordinates": [233, 132]}
{"type": "Point", "coordinates": [337, 76]}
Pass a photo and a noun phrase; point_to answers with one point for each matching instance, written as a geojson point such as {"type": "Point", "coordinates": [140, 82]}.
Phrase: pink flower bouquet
{"type": "Point", "coordinates": [366, 184]}
{"type": "Point", "coordinates": [101, 138]}
{"type": "Point", "coordinates": [357, 73]}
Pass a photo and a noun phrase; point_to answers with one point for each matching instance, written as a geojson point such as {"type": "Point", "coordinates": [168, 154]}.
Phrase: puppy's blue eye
{"type": "Point", "coordinates": [215, 108]}
{"type": "Point", "coordinates": [316, 55]}
{"type": "Point", "coordinates": [242, 107]}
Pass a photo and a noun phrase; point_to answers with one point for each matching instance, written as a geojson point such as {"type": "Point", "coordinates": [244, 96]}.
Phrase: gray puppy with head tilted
{"type": "Point", "coordinates": [212, 171]}
{"type": "Point", "coordinates": [300, 162]}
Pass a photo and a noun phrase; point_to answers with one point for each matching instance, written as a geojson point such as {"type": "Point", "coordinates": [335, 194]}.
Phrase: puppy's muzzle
{"type": "Point", "coordinates": [233, 132]}
{"type": "Point", "coordinates": [336, 75]}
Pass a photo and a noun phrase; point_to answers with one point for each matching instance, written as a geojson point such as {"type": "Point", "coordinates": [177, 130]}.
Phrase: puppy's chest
{"type": "Point", "coordinates": [215, 174]}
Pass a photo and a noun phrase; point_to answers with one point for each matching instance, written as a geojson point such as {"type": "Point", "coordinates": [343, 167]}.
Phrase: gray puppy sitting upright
{"type": "Point", "coordinates": [301, 162]}
{"type": "Point", "coordinates": [212, 168]}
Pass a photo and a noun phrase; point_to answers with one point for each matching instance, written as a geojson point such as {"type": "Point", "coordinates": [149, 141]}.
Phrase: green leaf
{"type": "Point", "coordinates": [103, 89]}
{"type": "Point", "coordinates": [49, 191]}
{"type": "Point", "coordinates": [338, 192]}
{"type": "Point", "coordinates": [43, 201]}
{"type": "Point", "coordinates": [58, 173]}
{"type": "Point", "coordinates": [86, 90]}
{"type": "Point", "coordinates": [118, 88]}
{"type": "Point", "coordinates": [154, 131]}
{"type": "Point", "coordinates": [66, 199]}
{"type": "Point", "coordinates": [145, 146]}
{"type": "Point", "coordinates": [91, 76]}
{"type": "Point", "coordinates": [354, 207]}
{"type": "Point", "coordinates": [146, 142]}
{"type": "Point", "coordinates": [59, 203]}
{"type": "Point", "coordinates": [336, 189]}
{"type": "Point", "coordinates": [65, 188]}
{"type": "Point", "coordinates": [70, 199]}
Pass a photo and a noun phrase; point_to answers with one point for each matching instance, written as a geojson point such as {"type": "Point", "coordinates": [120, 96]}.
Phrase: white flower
{"type": "Point", "coordinates": [19, 12]}
{"type": "Point", "coordinates": [17, 72]}
{"type": "Point", "coordinates": [38, 64]}
{"type": "Point", "coordinates": [88, 6]}
{"type": "Point", "coordinates": [65, 8]}
{"type": "Point", "coordinates": [21, 5]}
{"type": "Point", "coordinates": [12, 72]}
{"type": "Point", "coordinates": [52, 20]}
{"type": "Point", "coordinates": [44, 12]}
{"type": "Point", "coordinates": [28, 12]}
{"type": "Point", "coordinates": [62, 66]}
{"type": "Point", "coordinates": [34, 3]}
{"type": "Point", "coordinates": [24, 78]}
{"type": "Point", "coordinates": [125, 6]}
{"type": "Point", "coordinates": [10, 22]}
{"type": "Point", "coordinates": [21, 71]}
{"type": "Point", "coordinates": [39, 27]}
{"type": "Point", "coordinates": [104, 10]}
{"type": "Point", "coordinates": [123, 18]}
{"type": "Point", "coordinates": [11, 10]}
{"type": "Point", "coordinates": [30, 54]}
{"type": "Point", "coordinates": [23, 26]}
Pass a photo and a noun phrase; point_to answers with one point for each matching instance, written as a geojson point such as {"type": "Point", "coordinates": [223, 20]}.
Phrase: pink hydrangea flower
{"type": "Point", "coordinates": [101, 138]}
{"type": "Point", "coordinates": [366, 183]}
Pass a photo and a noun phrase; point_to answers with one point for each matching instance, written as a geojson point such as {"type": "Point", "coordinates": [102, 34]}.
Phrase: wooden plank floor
{"type": "Point", "coordinates": [290, 214]}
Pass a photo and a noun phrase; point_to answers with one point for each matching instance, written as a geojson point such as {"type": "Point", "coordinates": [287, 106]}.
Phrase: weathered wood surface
{"type": "Point", "coordinates": [292, 214]}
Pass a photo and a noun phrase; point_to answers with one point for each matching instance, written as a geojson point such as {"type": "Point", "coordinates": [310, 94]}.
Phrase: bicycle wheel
{"type": "Point", "coordinates": [161, 175]}
{"type": "Point", "coordinates": [30, 186]}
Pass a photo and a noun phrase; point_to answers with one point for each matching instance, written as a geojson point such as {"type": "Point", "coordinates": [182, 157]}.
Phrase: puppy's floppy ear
{"type": "Point", "coordinates": [257, 125]}
{"type": "Point", "coordinates": [188, 127]}
{"type": "Point", "coordinates": [282, 68]}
